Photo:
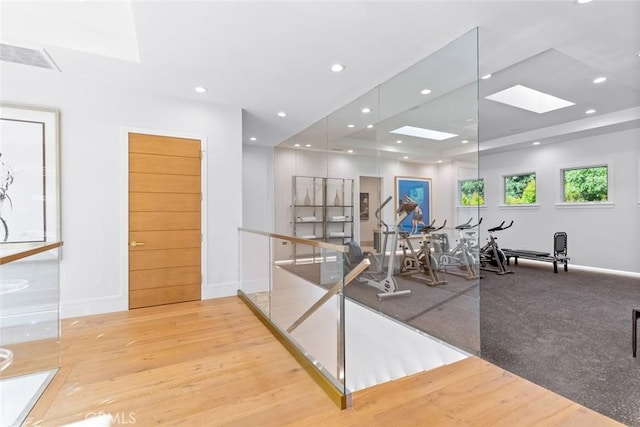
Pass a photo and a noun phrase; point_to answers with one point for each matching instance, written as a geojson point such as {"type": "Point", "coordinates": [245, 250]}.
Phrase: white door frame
{"type": "Point", "coordinates": [357, 200]}
{"type": "Point", "coordinates": [124, 236]}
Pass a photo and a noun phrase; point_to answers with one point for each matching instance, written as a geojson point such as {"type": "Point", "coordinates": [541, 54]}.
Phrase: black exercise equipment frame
{"type": "Point", "coordinates": [559, 253]}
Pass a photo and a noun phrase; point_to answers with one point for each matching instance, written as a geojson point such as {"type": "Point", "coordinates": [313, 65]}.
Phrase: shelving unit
{"type": "Point", "coordinates": [322, 210]}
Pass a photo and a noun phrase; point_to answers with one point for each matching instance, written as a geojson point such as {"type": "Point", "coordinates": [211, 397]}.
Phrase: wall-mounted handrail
{"type": "Point", "coordinates": [357, 270]}
{"type": "Point", "coordinates": [294, 239]}
{"type": "Point", "coordinates": [29, 252]}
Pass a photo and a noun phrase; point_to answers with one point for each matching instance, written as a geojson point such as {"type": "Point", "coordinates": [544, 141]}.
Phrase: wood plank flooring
{"type": "Point", "coordinates": [211, 363]}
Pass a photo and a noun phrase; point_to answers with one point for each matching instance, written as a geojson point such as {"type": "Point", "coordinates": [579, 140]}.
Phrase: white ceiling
{"type": "Point", "coordinates": [266, 57]}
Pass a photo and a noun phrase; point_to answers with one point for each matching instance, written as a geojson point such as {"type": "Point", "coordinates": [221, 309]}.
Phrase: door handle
{"type": "Point", "coordinates": [134, 244]}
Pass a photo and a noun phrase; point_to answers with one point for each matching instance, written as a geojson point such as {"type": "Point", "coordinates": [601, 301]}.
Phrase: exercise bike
{"type": "Point", "coordinates": [461, 255]}
{"type": "Point", "coordinates": [423, 260]}
{"type": "Point", "coordinates": [491, 256]}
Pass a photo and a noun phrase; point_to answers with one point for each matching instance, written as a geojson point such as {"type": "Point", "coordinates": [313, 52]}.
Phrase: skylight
{"type": "Point", "coordinates": [529, 99]}
{"type": "Point", "coordinates": [423, 133]}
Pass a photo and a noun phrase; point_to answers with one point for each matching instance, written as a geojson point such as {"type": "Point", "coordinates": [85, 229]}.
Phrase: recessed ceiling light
{"type": "Point", "coordinates": [425, 91]}
{"type": "Point", "coordinates": [590, 111]}
{"type": "Point", "coordinates": [439, 161]}
{"type": "Point", "coordinates": [399, 141]}
{"type": "Point", "coordinates": [366, 110]}
{"type": "Point", "coordinates": [336, 68]}
{"type": "Point", "coordinates": [200, 89]}
{"type": "Point", "coordinates": [369, 126]}
{"type": "Point", "coordinates": [471, 120]}
{"type": "Point", "coordinates": [351, 126]}
{"type": "Point", "coordinates": [486, 76]}
{"type": "Point", "coordinates": [638, 55]}
{"type": "Point", "coordinates": [536, 143]}
{"type": "Point", "coordinates": [423, 133]}
{"type": "Point", "coordinates": [583, 1]}
{"type": "Point", "coordinates": [307, 145]}
{"type": "Point", "coordinates": [464, 141]}
{"type": "Point", "coordinates": [529, 99]}
{"type": "Point", "coordinates": [296, 145]}
{"type": "Point", "coordinates": [349, 151]}
{"type": "Point", "coordinates": [405, 157]}
{"type": "Point", "coordinates": [599, 79]}
{"type": "Point", "coordinates": [253, 138]}
{"type": "Point", "coordinates": [282, 114]}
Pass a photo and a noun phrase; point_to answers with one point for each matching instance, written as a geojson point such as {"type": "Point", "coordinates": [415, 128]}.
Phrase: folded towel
{"type": "Point", "coordinates": [338, 218]}
{"type": "Point", "coordinates": [306, 218]}
{"type": "Point", "coordinates": [336, 234]}
{"type": "Point", "coordinates": [308, 236]}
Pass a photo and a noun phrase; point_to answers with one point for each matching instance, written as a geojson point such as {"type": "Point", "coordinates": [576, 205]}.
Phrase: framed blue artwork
{"type": "Point", "coordinates": [419, 190]}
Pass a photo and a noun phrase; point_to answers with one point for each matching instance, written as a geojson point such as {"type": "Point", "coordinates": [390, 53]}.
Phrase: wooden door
{"type": "Point", "coordinates": [164, 220]}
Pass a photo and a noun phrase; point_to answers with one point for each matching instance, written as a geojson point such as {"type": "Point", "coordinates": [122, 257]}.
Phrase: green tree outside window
{"type": "Point", "coordinates": [586, 185]}
{"type": "Point", "coordinates": [472, 192]}
{"type": "Point", "coordinates": [520, 189]}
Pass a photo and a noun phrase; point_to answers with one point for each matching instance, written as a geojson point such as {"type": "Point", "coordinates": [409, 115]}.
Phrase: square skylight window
{"type": "Point", "coordinates": [423, 133]}
{"type": "Point", "coordinates": [529, 99]}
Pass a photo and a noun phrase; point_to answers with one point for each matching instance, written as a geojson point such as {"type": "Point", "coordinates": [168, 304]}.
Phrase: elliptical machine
{"type": "Point", "coordinates": [378, 278]}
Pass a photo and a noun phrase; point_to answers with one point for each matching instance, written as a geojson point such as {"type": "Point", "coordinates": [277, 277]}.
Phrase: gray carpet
{"type": "Point", "coordinates": [568, 332]}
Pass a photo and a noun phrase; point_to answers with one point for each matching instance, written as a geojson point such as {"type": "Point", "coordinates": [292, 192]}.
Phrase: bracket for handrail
{"type": "Point", "coordinates": [6, 357]}
{"type": "Point", "coordinates": [357, 270]}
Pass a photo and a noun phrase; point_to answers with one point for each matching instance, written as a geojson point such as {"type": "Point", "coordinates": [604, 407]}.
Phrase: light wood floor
{"type": "Point", "coordinates": [213, 363]}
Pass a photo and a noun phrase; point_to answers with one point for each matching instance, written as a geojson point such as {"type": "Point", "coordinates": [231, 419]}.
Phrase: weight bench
{"type": "Point", "coordinates": [559, 253]}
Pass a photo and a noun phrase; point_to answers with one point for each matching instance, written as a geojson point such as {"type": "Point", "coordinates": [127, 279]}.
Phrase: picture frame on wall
{"type": "Point", "coordinates": [419, 190]}
{"type": "Point", "coordinates": [29, 175]}
{"type": "Point", "coordinates": [364, 206]}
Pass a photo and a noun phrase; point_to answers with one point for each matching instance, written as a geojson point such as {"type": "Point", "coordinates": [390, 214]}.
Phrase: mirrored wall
{"type": "Point", "coordinates": [385, 175]}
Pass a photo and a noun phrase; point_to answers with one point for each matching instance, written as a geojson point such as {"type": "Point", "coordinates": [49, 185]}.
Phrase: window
{"type": "Point", "coordinates": [471, 192]}
{"type": "Point", "coordinates": [585, 184]}
{"type": "Point", "coordinates": [520, 189]}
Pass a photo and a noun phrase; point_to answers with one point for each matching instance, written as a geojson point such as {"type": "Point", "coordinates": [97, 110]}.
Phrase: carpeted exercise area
{"type": "Point", "coordinates": [568, 332]}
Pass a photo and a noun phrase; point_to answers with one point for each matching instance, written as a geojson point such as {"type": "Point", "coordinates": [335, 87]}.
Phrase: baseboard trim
{"type": "Point", "coordinates": [90, 306]}
{"type": "Point", "coordinates": [220, 290]}
{"type": "Point", "coordinates": [605, 270]}
{"type": "Point", "coordinates": [110, 304]}
{"type": "Point", "coordinates": [585, 268]}
{"type": "Point", "coordinates": [343, 401]}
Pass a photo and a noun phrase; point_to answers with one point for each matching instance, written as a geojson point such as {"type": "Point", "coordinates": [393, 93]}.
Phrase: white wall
{"type": "Point", "coordinates": [257, 188]}
{"type": "Point", "coordinates": [93, 189]}
{"type": "Point", "coordinates": [604, 236]}
{"type": "Point", "coordinates": [290, 162]}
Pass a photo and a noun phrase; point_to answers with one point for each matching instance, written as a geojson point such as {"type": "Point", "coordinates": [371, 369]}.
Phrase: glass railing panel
{"type": "Point", "coordinates": [255, 268]}
{"type": "Point", "coordinates": [297, 285]}
{"type": "Point", "coordinates": [301, 296]}
{"type": "Point", "coordinates": [438, 93]}
{"type": "Point", "coordinates": [415, 135]}
{"type": "Point", "coordinates": [29, 330]}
